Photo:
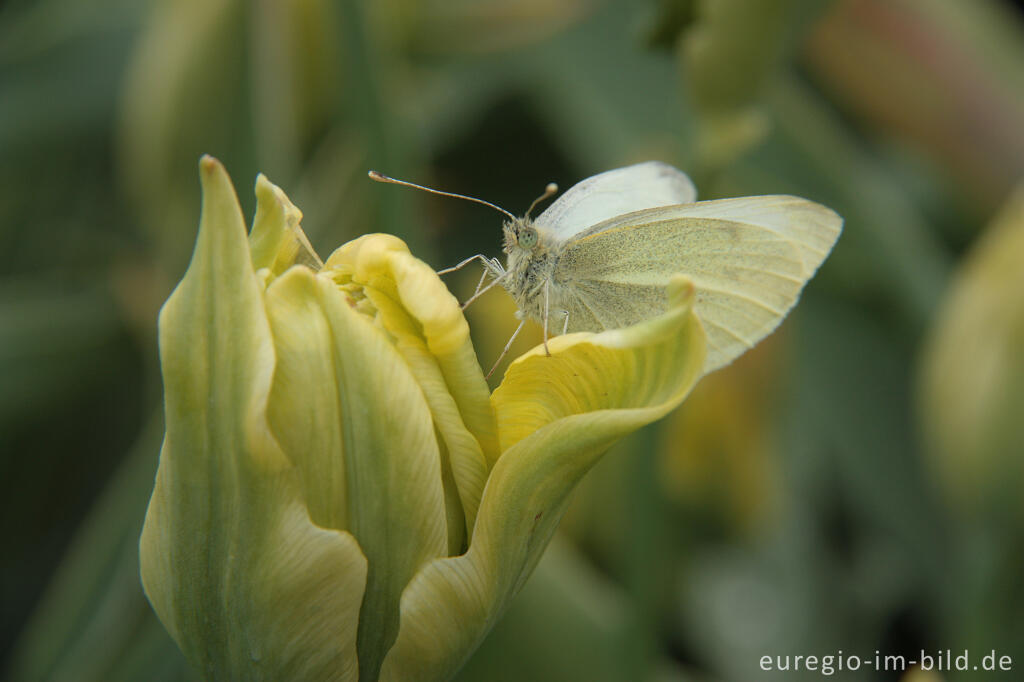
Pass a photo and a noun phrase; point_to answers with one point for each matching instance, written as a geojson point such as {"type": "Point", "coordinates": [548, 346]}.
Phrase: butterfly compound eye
{"type": "Point", "coordinates": [527, 238]}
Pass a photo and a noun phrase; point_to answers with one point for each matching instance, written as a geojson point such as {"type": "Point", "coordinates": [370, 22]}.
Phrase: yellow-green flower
{"type": "Point", "coordinates": [972, 379]}
{"type": "Point", "coordinates": [339, 497]}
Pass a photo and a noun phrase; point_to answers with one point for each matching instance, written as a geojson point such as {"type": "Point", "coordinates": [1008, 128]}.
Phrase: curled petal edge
{"type": "Point", "coordinates": [613, 383]}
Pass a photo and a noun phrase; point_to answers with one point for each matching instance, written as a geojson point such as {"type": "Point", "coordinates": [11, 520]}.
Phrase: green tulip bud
{"type": "Point", "coordinates": [339, 496]}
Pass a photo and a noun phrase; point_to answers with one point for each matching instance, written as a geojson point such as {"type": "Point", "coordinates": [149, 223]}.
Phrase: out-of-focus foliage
{"type": "Point", "coordinates": [805, 500]}
{"type": "Point", "coordinates": [727, 57]}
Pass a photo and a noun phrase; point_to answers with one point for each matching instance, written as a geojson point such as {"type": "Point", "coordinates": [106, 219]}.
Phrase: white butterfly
{"type": "Point", "coordinates": [601, 255]}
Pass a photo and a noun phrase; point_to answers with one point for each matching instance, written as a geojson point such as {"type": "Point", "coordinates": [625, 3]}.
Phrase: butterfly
{"type": "Point", "coordinates": [601, 255]}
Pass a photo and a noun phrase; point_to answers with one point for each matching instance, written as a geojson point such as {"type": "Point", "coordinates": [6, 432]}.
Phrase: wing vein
{"type": "Point", "coordinates": [727, 331]}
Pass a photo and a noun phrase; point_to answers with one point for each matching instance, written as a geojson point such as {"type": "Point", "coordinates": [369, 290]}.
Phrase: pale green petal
{"type": "Point", "coordinates": [307, 592]}
{"type": "Point", "coordinates": [348, 411]}
{"type": "Point", "coordinates": [557, 414]}
{"type": "Point", "coordinates": [432, 335]}
{"type": "Point", "coordinates": [277, 241]}
{"type": "Point", "coordinates": [246, 584]}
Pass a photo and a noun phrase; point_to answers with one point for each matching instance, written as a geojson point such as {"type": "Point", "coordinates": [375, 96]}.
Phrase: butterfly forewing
{"type": "Point", "coordinates": [614, 193]}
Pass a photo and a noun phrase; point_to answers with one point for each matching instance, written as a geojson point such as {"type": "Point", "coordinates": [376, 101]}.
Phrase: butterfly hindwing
{"type": "Point", "coordinates": [748, 266]}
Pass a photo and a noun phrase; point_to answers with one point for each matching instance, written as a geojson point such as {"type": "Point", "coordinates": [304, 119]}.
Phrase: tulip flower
{"type": "Point", "coordinates": [339, 495]}
{"type": "Point", "coordinates": [971, 390]}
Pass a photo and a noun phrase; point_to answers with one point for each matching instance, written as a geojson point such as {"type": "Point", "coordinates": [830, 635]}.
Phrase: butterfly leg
{"type": "Point", "coordinates": [483, 259]}
{"type": "Point", "coordinates": [565, 326]}
{"type": "Point", "coordinates": [505, 352]}
{"type": "Point", "coordinates": [483, 278]}
{"type": "Point", "coordinates": [547, 306]}
{"type": "Point", "coordinates": [480, 292]}
{"type": "Point", "coordinates": [492, 266]}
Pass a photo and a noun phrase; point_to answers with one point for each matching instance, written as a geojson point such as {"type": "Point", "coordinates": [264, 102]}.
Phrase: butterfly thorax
{"type": "Point", "coordinates": [532, 257]}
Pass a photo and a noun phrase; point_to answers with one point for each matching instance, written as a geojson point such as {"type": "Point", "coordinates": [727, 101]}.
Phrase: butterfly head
{"type": "Point", "coordinates": [520, 232]}
{"type": "Point", "coordinates": [520, 235]}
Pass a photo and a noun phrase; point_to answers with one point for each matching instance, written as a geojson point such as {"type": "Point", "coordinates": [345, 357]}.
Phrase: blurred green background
{"type": "Point", "coordinates": [851, 484]}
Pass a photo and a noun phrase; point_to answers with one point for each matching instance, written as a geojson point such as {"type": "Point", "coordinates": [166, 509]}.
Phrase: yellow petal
{"type": "Point", "coordinates": [277, 241]}
{"type": "Point", "coordinates": [557, 415]}
{"type": "Point", "coordinates": [590, 372]}
{"type": "Point", "coordinates": [430, 332]}
{"type": "Point", "coordinates": [348, 411]}
{"type": "Point", "coordinates": [246, 584]}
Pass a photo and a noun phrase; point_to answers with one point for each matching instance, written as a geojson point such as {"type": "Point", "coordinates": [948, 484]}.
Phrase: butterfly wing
{"type": "Point", "coordinates": [613, 193]}
{"type": "Point", "coordinates": [749, 258]}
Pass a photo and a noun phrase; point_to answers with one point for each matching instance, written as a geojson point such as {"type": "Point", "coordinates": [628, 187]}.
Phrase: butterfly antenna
{"type": "Point", "coordinates": [380, 177]}
{"type": "Point", "coordinates": [549, 192]}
